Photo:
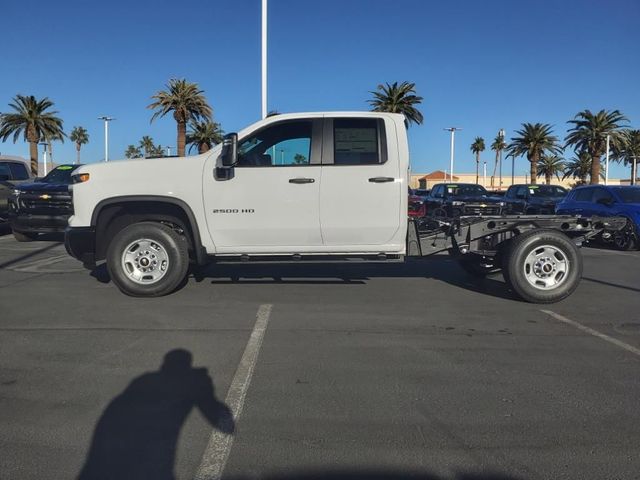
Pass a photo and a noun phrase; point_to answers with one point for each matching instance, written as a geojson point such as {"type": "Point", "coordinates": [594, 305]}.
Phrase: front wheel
{"type": "Point", "coordinates": [543, 266]}
{"type": "Point", "coordinates": [147, 259]}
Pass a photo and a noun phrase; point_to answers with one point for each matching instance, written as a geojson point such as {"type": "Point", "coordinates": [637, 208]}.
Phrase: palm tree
{"type": "Point", "coordinates": [132, 152]}
{"type": "Point", "coordinates": [590, 134]}
{"type": "Point", "coordinates": [477, 147]}
{"type": "Point", "coordinates": [534, 140]}
{"type": "Point", "coordinates": [187, 103]}
{"type": "Point", "coordinates": [146, 145]}
{"type": "Point", "coordinates": [33, 121]}
{"type": "Point", "coordinates": [398, 99]}
{"type": "Point", "coordinates": [579, 167]}
{"type": "Point", "coordinates": [203, 135]}
{"type": "Point", "coordinates": [550, 165]}
{"type": "Point", "coordinates": [629, 152]}
{"type": "Point", "coordinates": [498, 146]}
{"type": "Point", "coordinates": [80, 137]}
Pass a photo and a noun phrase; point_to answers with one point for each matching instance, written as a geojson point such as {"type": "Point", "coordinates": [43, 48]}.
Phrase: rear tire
{"type": "Point", "coordinates": [148, 259]}
{"type": "Point", "coordinates": [542, 266]}
{"type": "Point", "coordinates": [24, 236]}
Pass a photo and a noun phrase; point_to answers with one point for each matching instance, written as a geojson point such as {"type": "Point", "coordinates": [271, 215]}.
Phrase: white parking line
{"type": "Point", "coordinates": [593, 332]}
{"type": "Point", "coordinates": [216, 454]}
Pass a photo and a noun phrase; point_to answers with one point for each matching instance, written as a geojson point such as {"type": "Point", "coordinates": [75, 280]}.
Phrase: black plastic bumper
{"type": "Point", "coordinates": [80, 243]}
{"type": "Point", "coordinates": [38, 223]}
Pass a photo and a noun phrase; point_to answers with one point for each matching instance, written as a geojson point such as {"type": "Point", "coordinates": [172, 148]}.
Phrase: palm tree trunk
{"type": "Point", "coordinates": [595, 169]}
{"type": "Point", "coordinates": [203, 147]}
{"type": "Point", "coordinates": [547, 178]}
{"type": "Point", "coordinates": [534, 169]}
{"type": "Point", "coordinates": [33, 153]}
{"type": "Point", "coordinates": [495, 167]}
{"type": "Point", "coordinates": [477, 166]}
{"type": "Point", "coordinates": [78, 153]}
{"type": "Point", "coordinates": [182, 136]}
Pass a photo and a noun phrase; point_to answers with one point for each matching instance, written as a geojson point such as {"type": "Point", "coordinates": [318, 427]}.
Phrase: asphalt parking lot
{"type": "Point", "coordinates": [332, 371]}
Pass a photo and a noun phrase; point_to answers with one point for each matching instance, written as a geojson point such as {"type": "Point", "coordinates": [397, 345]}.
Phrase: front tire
{"type": "Point", "coordinates": [147, 259]}
{"type": "Point", "coordinates": [625, 239]}
{"type": "Point", "coordinates": [543, 266]}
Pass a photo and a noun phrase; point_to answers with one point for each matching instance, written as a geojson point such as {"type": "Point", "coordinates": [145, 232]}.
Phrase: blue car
{"type": "Point", "coordinates": [606, 201]}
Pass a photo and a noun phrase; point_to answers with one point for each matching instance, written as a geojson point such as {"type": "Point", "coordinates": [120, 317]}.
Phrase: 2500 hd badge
{"type": "Point", "coordinates": [233, 210]}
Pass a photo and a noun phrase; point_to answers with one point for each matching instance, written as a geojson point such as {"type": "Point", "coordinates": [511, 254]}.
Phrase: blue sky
{"type": "Point", "coordinates": [481, 66]}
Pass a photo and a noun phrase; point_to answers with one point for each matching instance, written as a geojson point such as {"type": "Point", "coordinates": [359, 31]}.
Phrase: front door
{"type": "Point", "coordinates": [270, 203]}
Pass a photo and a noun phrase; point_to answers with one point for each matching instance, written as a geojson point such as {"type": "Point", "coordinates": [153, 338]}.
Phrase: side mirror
{"type": "Point", "coordinates": [229, 154]}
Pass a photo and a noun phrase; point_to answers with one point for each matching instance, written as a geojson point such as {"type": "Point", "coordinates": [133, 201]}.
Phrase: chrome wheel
{"type": "Point", "coordinates": [546, 267]}
{"type": "Point", "coordinates": [145, 261]}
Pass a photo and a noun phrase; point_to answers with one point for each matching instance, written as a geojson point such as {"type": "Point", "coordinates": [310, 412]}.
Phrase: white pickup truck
{"type": "Point", "coordinates": [300, 187]}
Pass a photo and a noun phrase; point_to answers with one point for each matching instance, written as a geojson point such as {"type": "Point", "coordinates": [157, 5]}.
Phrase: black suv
{"type": "Point", "coordinates": [460, 199]}
{"type": "Point", "coordinates": [43, 206]}
{"type": "Point", "coordinates": [534, 199]}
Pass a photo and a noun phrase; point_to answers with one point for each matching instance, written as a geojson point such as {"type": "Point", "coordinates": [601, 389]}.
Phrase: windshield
{"type": "Point", "coordinates": [629, 195]}
{"type": "Point", "coordinates": [546, 191]}
{"type": "Point", "coordinates": [61, 174]}
{"type": "Point", "coordinates": [454, 190]}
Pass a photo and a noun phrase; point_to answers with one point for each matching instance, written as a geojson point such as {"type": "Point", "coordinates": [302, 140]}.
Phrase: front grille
{"type": "Point", "coordinates": [481, 210]}
{"type": "Point", "coordinates": [51, 204]}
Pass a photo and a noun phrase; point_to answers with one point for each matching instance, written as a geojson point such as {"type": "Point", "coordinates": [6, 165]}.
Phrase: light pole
{"type": "Point", "coordinates": [264, 58]}
{"type": "Point", "coordinates": [484, 181]}
{"type": "Point", "coordinates": [169, 151]}
{"type": "Point", "coordinates": [501, 135]}
{"type": "Point", "coordinates": [44, 156]}
{"type": "Point", "coordinates": [453, 135]}
{"type": "Point", "coordinates": [106, 120]}
{"type": "Point", "coordinates": [606, 167]}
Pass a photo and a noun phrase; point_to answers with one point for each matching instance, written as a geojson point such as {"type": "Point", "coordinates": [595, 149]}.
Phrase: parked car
{"type": "Point", "coordinates": [532, 199]}
{"type": "Point", "coordinates": [12, 173]}
{"type": "Point", "coordinates": [458, 199]}
{"type": "Point", "coordinates": [606, 201]}
{"type": "Point", "coordinates": [43, 206]}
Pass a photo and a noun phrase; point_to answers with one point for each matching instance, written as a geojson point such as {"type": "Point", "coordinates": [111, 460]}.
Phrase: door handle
{"type": "Point", "coordinates": [302, 180]}
{"type": "Point", "coordinates": [381, 179]}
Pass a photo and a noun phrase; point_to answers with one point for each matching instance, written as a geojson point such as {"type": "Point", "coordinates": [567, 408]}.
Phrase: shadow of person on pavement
{"type": "Point", "coordinates": [137, 435]}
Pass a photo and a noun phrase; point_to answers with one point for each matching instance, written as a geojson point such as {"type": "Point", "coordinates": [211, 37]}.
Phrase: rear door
{"type": "Point", "coordinates": [362, 186]}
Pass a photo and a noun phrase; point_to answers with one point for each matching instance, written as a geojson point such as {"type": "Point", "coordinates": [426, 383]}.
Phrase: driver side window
{"type": "Point", "coordinates": [283, 144]}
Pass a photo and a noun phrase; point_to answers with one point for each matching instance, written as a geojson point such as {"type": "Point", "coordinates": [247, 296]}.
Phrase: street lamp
{"type": "Point", "coordinates": [501, 135]}
{"type": "Point", "coordinates": [606, 168]}
{"type": "Point", "coordinates": [453, 134]}
{"type": "Point", "coordinates": [484, 181]}
{"type": "Point", "coordinates": [169, 150]}
{"type": "Point", "coordinates": [106, 120]}
{"type": "Point", "coordinates": [264, 58]}
{"type": "Point", "coordinates": [44, 156]}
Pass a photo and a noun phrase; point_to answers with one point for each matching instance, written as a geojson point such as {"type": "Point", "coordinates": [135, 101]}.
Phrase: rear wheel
{"type": "Point", "coordinates": [147, 259]}
{"type": "Point", "coordinates": [625, 239]}
{"type": "Point", "coordinates": [543, 266]}
{"type": "Point", "coordinates": [24, 236]}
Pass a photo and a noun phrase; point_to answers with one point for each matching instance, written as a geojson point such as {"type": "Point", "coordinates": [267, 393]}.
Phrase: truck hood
{"type": "Point", "coordinates": [43, 187]}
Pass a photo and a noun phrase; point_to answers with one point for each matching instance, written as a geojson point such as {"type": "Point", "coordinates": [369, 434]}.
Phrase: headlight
{"type": "Point", "coordinates": [456, 203]}
{"type": "Point", "coordinates": [502, 204]}
{"type": "Point", "coordinates": [80, 178]}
